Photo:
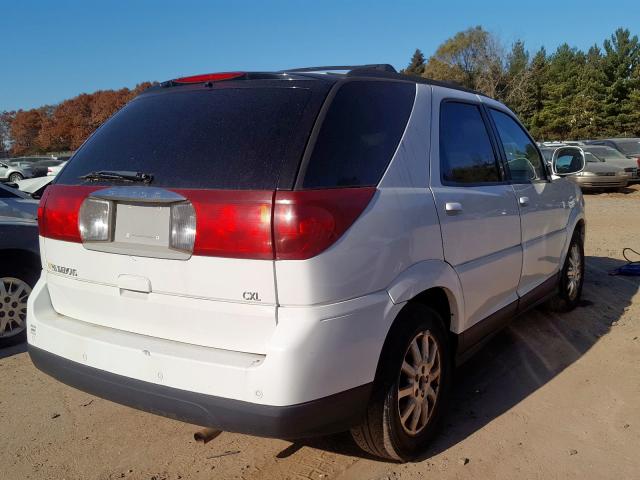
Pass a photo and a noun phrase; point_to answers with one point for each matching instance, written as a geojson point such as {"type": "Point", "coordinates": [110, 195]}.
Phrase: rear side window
{"type": "Point", "coordinates": [466, 153]}
{"type": "Point", "coordinates": [359, 135]}
{"type": "Point", "coordinates": [221, 138]}
{"type": "Point", "coordinates": [523, 159]}
{"type": "Point", "coordinates": [592, 158]}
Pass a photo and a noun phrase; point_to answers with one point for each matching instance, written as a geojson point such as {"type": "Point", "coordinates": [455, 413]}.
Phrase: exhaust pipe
{"type": "Point", "coordinates": [206, 435]}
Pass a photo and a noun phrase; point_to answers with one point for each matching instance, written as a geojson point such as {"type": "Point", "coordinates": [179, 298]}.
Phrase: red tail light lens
{"type": "Point", "coordinates": [232, 223]}
{"type": "Point", "coordinates": [308, 222]}
{"type": "Point", "coordinates": [638, 161]}
{"type": "Point", "coordinates": [58, 211]}
{"type": "Point", "coordinates": [209, 77]}
{"type": "Point", "coordinates": [43, 200]}
{"type": "Point", "coordinates": [285, 225]}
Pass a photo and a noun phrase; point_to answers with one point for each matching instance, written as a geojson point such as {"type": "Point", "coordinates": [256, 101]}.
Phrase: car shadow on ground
{"type": "Point", "coordinates": [609, 191]}
{"type": "Point", "coordinates": [13, 350]}
{"type": "Point", "coordinates": [534, 349]}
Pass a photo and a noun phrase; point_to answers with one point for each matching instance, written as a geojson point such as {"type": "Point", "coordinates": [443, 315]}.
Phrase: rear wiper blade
{"type": "Point", "coordinates": [123, 176]}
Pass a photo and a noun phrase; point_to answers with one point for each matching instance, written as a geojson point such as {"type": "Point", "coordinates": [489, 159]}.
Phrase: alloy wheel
{"type": "Point", "coordinates": [419, 383]}
{"type": "Point", "coordinates": [13, 306]}
{"type": "Point", "coordinates": [574, 272]}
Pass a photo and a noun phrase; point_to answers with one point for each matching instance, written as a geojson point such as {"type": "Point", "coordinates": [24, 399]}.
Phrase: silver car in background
{"type": "Point", "coordinates": [14, 171]}
{"type": "Point", "coordinates": [629, 147]}
{"type": "Point", "coordinates": [613, 157]}
{"type": "Point", "coordinates": [597, 175]}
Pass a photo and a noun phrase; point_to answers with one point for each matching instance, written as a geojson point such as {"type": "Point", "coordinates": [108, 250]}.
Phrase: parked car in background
{"type": "Point", "coordinates": [630, 147]}
{"type": "Point", "coordinates": [12, 171]}
{"type": "Point", "coordinates": [41, 168]}
{"type": "Point", "coordinates": [229, 272]}
{"type": "Point", "coordinates": [576, 143]}
{"type": "Point", "coordinates": [597, 174]}
{"type": "Point", "coordinates": [55, 170]}
{"type": "Point", "coordinates": [17, 204]}
{"type": "Point", "coordinates": [19, 262]}
{"type": "Point", "coordinates": [34, 187]}
{"type": "Point", "coordinates": [614, 157]}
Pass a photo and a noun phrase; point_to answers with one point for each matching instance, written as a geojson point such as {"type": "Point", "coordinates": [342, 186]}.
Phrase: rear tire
{"type": "Point", "coordinates": [15, 177]}
{"type": "Point", "coordinates": [411, 387]}
{"type": "Point", "coordinates": [15, 287]}
{"type": "Point", "coordinates": [571, 278]}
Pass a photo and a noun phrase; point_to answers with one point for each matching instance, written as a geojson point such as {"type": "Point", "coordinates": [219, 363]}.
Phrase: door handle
{"type": "Point", "coordinates": [524, 201]}
{"type": "Point", "coordinates": [452, 208]}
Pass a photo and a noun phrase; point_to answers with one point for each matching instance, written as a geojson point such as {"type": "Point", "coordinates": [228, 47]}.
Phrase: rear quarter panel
{"type": "Point", "coordinates": [398, 229]}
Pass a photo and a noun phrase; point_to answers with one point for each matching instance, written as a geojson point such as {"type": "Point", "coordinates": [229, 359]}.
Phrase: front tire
{"type": "Point", "coordinates": [571, 278]}
{"type": "Point", "coordinates": [411, 387]}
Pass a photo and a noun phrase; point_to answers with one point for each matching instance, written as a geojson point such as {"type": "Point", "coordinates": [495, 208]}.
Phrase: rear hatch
{"type": "Point", "coordinates": [184, 251]}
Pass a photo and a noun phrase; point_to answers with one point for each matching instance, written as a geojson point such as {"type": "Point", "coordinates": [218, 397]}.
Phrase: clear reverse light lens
{"type": "Point", "coordinates": [183, 227]}
{"type": "Point", "coordinates": [94, 220]}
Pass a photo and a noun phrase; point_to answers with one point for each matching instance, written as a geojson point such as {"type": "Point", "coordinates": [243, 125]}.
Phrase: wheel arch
{"type": "Point", "coordinates": [577, 223]}
{"type": "Point", "coordinates": [433, 283]}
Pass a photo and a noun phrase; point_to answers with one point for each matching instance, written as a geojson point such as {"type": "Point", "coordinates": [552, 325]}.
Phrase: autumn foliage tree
{"type": "Point", "coordinates": [64, 126]}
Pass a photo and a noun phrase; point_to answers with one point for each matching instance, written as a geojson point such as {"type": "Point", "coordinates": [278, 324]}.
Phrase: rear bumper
{"type": "Point", "coordinates": [601, 181]}
{"type": "Point", "coordinates": [331, 414]}
{"type": "Point", "coordinates": [314, 378]}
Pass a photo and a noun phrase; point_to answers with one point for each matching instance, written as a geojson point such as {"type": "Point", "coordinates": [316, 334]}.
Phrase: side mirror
{"type": "Point", "coordinates": [567, 161]}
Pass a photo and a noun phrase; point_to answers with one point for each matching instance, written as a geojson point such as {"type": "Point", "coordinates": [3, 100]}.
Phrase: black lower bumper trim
{"type": "Point", "coordinates": [331, 414]}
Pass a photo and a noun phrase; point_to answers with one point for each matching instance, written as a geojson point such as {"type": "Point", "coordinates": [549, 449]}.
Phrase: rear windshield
{"type": "Point", "coordinates": [359, 135]}
{"type": "Point", "coordinates": [227, 138]}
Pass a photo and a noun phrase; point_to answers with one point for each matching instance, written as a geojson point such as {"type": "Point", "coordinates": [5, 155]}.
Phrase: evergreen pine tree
{"type": "Point", "coordinates": [416, 66]}
{"type": "Point", "coordinates": [620, 63]}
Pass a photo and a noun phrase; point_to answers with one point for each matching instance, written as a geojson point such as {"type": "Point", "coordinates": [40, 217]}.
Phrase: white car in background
{"type": "Point", "coordinates": [297, 253]}
{"type": "Point", "coordinates": [35, 187]}
{"type": "Point", "coordinates": [52, 171]}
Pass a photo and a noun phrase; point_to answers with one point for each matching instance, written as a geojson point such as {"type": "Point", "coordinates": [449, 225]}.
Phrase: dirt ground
{"type": "Point", "coordinates": [553, 396]}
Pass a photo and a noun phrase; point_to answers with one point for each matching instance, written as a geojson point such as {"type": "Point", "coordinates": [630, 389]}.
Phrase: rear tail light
{"type": "Point", "coordinates": [58, 211]}
{"type": "Point", "coordinates": [638, 161]}
{"type": "Point", "coordinates": [183, 227]}
{"type": "Point", "coordinates": [238, 224]}
{"type": "Point", "coordinates": [282, 225]}
{"type": "Point", "coordinates": [95, 220]}
{"type": "Point", "coordinates": [308, 222]}
{"type": "Point", "coordinates": [230, 223]}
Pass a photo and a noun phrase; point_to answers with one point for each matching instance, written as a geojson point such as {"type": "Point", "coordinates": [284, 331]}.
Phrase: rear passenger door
{"type": "Point", "coordinates": [544, 205]}
{"type": "Point", "coordinates": [476, 206]}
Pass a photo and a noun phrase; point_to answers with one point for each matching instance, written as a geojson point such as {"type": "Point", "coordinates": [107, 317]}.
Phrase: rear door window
{"type": "Point", "coordinates": [466, 153]}
{"type": "Point", "coordinates": [359, 135]}
{"type": "Point", "coordinates": [222, 138]}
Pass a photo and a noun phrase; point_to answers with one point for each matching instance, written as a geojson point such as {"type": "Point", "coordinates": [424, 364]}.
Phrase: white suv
{"type": "Point", "coordinates": [297, 253]}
